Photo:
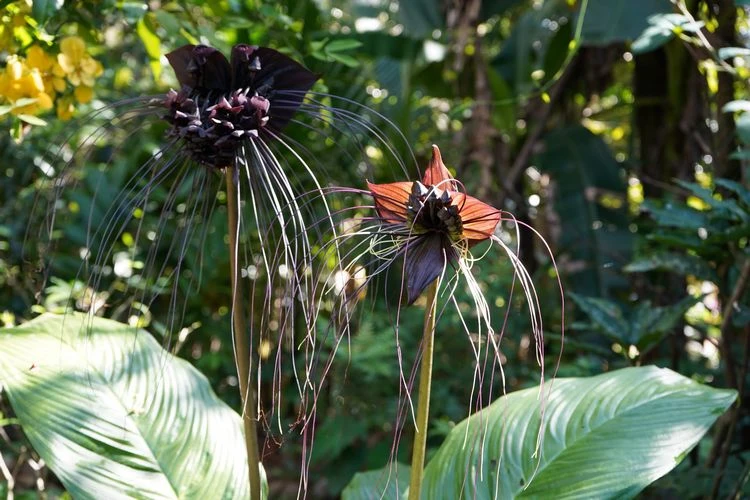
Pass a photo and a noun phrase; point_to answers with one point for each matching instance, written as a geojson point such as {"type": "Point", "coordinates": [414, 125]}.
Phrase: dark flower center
{"type": "Point", "coordinates": [429, 209]}
{"type": "Point", "coordinates": [214, 126]}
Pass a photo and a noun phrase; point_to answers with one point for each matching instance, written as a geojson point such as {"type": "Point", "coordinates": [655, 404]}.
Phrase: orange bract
{"type": "Point", "coordinates": [479, 219]}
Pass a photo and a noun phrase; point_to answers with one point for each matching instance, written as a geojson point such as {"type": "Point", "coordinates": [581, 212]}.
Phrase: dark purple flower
{"type": "Point", "coordinates": [223, 104]}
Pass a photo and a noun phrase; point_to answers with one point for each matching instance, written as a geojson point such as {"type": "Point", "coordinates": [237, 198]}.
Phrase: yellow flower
{"type": "Point", "coordinates": [36, 57]}
{"type": "Point", "coordinates": [19, 81]}
{"type": "Point", "coordinates": [76, 64]}
{"type": "Point", "coordinates": [83, 94]}
{"type": "Point", "coordinates": [65, 108]}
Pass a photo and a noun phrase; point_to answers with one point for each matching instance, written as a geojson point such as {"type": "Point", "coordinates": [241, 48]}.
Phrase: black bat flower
{"type": "Point", "coordinates": [223, 104]}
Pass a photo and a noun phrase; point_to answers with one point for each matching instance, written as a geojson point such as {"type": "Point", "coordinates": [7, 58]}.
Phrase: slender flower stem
{"type": "Point", "coordinates": [242, 353]}
{"type": "Point", "coordinates": [425, 385]}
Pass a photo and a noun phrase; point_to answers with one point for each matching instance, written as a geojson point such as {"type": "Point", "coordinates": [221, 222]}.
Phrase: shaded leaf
{"type": "Point", "coordinates": [594, 237]}
{"type": "Point", "coordinates": [607, 315]}
{"type": "Point", "coordinates": [342, 44]}
{"type": "Point", "coordinates": [620, 20]}
{"type": "Point", "coordinates": [42, 10]}
{"type": "Point", "coordinates": [743, 128]}
{"type": "Point", "coordinates": [421, 17]}
{"type": "Point", "coordinates": [640, 420]}
{"type": "Point", "coordinates": [676, 216]}
{"type": "Point", "coordinates": [684, 264]}
{"type": "Point", "coordinates": [741, 191]}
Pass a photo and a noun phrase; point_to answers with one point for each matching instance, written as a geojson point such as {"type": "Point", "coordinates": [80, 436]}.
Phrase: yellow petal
{"type": "Point", "coordinates": [83, 94]}
{"type": "Point", "coordinates": [66, 63]}
{"type": "Point", "coordinates": [59, 84]}
{"type": "Point", "coordinates": [14, 68]}
{"type": "Point", "coordinates": [37, 58]}
{"type": "Point", "coordinates": [57, 70]}
{"type": "Point", "coordinates": [91, 66]}
{"type": "Point", "coordinates": [73, 48]}
{"type": "Point", "coordinates": [74, 79]}
{"type": "Point", "coordinates": [44, 101]}
{"type": "Point", "coordinates": [35, 78]}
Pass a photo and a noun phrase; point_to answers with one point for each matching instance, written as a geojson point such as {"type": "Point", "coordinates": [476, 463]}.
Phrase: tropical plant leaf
{"type": "Point", "coordinates": [607, 436]}
{"type": "Point", "coordinates": [619, 20]}
{"type": "Point", "coordinates": [684, 264]}
{"type": "Point", "coordinates": [607, 315]}
{"type": "Point", "coordinates": [114, 415]}
{"type": "Point", "coordinates": [389, 482]}
{"type": "Point", "coordinates": [594, 235]}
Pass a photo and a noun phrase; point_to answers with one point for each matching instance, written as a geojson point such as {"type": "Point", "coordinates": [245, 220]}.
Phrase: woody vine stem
{"type": "Point", "coordinates": [241, 346]}
{"type": "Point", "coordinates": [425, 386]}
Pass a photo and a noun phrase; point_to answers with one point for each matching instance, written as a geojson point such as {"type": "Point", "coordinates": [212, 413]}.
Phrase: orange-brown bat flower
{"type": "Point", "coordinates": [443, 222]}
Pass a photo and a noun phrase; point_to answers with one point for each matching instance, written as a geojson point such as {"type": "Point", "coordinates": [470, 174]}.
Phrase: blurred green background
{"type": "Point", "coordinates": [615, 129]}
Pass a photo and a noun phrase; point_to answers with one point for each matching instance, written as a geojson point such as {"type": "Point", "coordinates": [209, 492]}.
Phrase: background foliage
{"type": "Point", "coordinates": [618, 130]}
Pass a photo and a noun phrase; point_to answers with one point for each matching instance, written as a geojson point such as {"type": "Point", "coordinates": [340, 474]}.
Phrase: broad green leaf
{"type": "Point", "coordinates": [114, 415]}
{"type": "Point", "coordinates": [607, 315]}
{"type": "Point", "coordinates": [743, 128]}
{"type": "Point", "coordinates": [684, 264]}
{"type": "Point", "coordinates": [619, 20]}
{"type": "Point", "coordinates": [42, 10]}
{"type": "Point", "coordinates": [390, 482]}
{"type": "Point", "coordinates": [607, 436]}
{"type": "Point", "coordinates": [676, 216]}
{"type": "Point", "coordinates": [742, 192]}
{"type": "Point", "coordinates": [726, 207]}
{"type": "Point", "coordinates": [593, 236]}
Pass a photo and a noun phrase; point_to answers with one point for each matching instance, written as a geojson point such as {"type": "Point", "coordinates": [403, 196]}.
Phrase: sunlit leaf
{"type": "Point", "coordinates": [113, 414]}
{"type": "Point", "coordinates": [607, 436]}
{"type": "Point", "coordinates": [32, 120]}
{"type": "Point", "coordinates": [342, 44]}
{"type": "Point", "coordinates": [389, 482]}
